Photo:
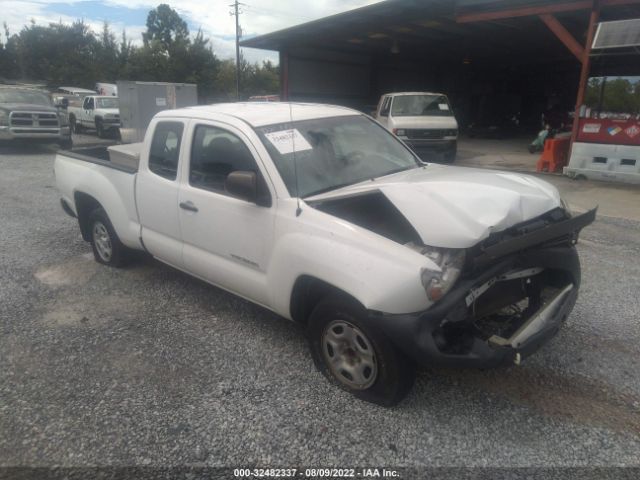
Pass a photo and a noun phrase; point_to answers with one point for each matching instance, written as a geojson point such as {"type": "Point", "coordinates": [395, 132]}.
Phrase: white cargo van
{"type": "Point", "coordinates": [423, 120]}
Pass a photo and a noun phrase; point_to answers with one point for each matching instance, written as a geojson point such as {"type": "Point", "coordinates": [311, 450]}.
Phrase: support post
{"type": "Point", "coordinates": [586, 65]}
{"type": "Point", "coordinates": [284, 76]}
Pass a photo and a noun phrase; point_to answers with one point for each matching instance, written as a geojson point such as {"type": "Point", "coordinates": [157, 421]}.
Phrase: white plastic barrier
{"type": "Point", "coordinates": [597, 161]}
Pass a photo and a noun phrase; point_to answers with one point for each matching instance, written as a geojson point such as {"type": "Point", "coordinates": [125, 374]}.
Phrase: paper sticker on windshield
{"type": "Point", "coordinates": [443, 106]}
{"type": "Point", "coordinates": [288, 140]}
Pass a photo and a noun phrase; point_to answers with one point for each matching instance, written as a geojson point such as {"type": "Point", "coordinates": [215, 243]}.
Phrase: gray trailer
{"type": "Point", "coordinates": [140, 101]}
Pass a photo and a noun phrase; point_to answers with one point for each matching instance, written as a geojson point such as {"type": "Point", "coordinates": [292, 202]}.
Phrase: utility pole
{"type": "Point", "coordinates": [236, 12]}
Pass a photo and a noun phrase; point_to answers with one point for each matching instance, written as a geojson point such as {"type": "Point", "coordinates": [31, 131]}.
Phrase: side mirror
{"type": "Point", "coordinates": [243, 185]}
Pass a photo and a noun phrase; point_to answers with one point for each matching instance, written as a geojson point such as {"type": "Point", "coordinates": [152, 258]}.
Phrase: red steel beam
{"type": "Point", "coordinates": [563, 34]}
{"type": "Point", "coordinates": [284, 76]}
{"type": "Point", "coordinates": [523, 12]}
{"type": "Point", "coordinates": [586, 65]}
{"type": "Point", "coordinates": [538, 10]}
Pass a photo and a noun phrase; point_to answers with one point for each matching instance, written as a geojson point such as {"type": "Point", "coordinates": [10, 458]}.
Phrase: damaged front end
{"type": "Point", "coordinates": [512, 293]}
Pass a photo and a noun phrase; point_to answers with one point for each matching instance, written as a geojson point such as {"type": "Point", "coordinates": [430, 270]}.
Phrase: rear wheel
{"type": "Point", "coordinates": [356, 356]}
{"type": "Point", "coordinates": [107, 247]}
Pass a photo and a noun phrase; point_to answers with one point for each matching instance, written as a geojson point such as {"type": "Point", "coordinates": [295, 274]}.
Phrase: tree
{"type": "Point", "coordinates": [107, 54]}
{"type": "Point", "coordinates": [74, 55]}
{"type": "Point", "coordinates": [165, 26]}
{"type": "Point", "coordinates": [61, 54]}
{"type": "Point", "coordinates": [619, 95]}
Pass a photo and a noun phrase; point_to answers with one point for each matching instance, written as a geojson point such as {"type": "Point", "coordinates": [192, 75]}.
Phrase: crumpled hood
{"type": "Point", "coordinates": [455, 207]}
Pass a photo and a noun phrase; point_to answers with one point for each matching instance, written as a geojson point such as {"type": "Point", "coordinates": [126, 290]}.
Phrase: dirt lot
{"type": "Point", "coordinates": [147, 366]}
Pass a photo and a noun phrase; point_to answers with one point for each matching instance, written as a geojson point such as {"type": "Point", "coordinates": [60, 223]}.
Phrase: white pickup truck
{"type": "Point", "coordinates": [321, 215]}
{"type": "Point", "coordinates": [423, 120]}
{"type": "Point", "coordinates": [96, 111]}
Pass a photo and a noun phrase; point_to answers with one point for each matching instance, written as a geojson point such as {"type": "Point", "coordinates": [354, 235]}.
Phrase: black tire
{"type": "Point", "coordinates": [99, 128]}
{"type": "Point", "coordinates": [394, 373]}
{"type": "Point", "coordinates": [73, 126]}
{"type": "Point", "coordinates": [66, 144]}
{"type": "Point", "coordinates": [450, 155]}
{"type": "Point", "coordinates": [99, 223]}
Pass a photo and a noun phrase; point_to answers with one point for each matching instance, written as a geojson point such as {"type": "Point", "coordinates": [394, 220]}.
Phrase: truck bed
{"type": "Point", "coordinates": [102, 155]}
{"type": "Point", "coordinates": [89, 172]}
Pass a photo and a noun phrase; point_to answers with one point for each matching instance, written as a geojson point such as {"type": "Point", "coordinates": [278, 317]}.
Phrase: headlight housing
{"type": "Point", "coordinates": [451, 262]}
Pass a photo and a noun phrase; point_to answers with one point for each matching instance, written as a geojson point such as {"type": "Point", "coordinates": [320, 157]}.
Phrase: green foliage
{"type": "Point", "coordinates": [165, 27]}
{"type": "Point", "coordinates": [619, 95]}
{"type": "Point", "coordinates": [255, 79]}
{"type": "Point", "coordinates": [74, 55]}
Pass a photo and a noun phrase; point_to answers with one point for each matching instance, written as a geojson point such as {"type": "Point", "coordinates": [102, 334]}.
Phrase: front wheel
{"type": "Point", "coordinates": [450, 155]}
{"type": "Point", "coordinates": [356, 356]}
{"type": "Point", "coordinates": [66, 144]}
{"type": "Point", "coordinates": [100, 129]}
{"type": "Point", "coordinates": [107, 247]}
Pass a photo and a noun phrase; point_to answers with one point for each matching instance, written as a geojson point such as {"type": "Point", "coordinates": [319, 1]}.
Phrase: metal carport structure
{"type": "Point", "coordinates": [489, 56]}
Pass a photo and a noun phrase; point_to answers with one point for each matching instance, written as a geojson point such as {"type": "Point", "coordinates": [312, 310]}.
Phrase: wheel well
{"type": "Point", "coordinates": [85, 204]}
{"type": "Point", "coordinates": [307, 292]}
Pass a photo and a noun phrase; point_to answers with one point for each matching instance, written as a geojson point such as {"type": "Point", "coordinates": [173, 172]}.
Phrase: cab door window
{"type": "Point", "coordinates": [215, 154]}
{"type": "Point", "coordinates": [386, 107]}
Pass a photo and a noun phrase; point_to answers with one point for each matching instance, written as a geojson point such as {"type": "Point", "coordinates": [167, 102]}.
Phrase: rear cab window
{"type": "Point", "coordinates": [164, 152]}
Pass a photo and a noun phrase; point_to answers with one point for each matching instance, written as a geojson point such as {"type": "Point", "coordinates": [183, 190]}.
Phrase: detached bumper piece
{"type": "Point", "coordinates": [499, 316]}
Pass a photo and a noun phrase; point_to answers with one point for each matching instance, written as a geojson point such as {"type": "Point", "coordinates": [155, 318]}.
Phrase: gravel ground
{"type": "Point", "coordinates": [147, 366]}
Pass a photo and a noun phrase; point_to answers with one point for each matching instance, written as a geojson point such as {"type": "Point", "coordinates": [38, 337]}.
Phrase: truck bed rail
{"type": "Point", "coordinates": [97, 155]}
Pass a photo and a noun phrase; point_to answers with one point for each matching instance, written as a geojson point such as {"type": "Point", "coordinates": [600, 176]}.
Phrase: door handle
{"type": "Point", "coordinates": [188, 206]}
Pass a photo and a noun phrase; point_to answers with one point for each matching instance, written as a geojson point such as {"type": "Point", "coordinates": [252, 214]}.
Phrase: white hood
{"type": "Point", "coordinates": [454, 207]}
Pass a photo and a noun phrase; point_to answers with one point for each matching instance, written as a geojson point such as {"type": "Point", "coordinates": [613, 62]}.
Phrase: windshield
{"type": "Point", "coordinates": [421, 105]}
{"type": "Point", "coordinates": [107, 102]}
{"type": "Point", "coordinates": [34, 97]}
{"type": "Point", "coordinates": [333, 152]}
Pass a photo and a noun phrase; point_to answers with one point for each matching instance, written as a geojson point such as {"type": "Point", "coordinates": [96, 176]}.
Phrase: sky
{"type": "Point", "coordinates": [212, 16]}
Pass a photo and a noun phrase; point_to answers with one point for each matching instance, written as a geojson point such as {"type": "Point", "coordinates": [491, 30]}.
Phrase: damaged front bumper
{"type": "Point", "coordinates": [517, 302]}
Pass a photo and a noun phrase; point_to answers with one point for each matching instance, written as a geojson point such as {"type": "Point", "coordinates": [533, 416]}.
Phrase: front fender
{"type": "Point", "coordinates": [381, 274]}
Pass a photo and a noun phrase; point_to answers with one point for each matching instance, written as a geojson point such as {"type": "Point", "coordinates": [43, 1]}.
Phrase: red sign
{"type": "Point", "coordinates": [613, 132]}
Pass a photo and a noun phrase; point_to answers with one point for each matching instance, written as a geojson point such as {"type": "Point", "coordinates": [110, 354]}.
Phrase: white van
{"type": "Point", "coordinates": [107, 89]}
{"type": "Point", "coordinates": [423, 120]}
